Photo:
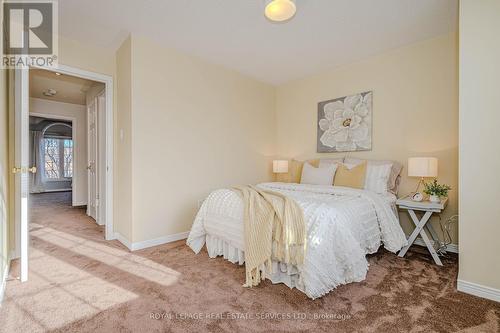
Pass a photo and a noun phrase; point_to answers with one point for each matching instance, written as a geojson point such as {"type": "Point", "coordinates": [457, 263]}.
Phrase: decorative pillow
{"type": "Point", "coordinates": [295, 169]}
{"type": "Point", "coordinates": [351, 177]}
{"type": "Point", "coordinates": [318, 176]}
{"type": "Point", "coordinates": [394, 176]}
{"type": "Point", "coordinates": [328, 161]}
{"type": "Point", "coordinates": [377, 177]}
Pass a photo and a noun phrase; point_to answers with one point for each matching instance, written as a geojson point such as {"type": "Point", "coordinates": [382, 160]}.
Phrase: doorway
{"type": "Point", "coordinates": [51, 151]}
{"type": "Point", "coordinates": [63, 160]}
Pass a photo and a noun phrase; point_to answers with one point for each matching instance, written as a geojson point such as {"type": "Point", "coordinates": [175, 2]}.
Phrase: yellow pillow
{"type": "Point", "coordinates": [295, 170]}
{"type": "Point", "coordinates": [354, 177]}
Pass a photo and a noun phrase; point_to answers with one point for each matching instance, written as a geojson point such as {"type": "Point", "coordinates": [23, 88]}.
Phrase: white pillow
{"type": "Point", "coordinates": [394, 178]}
{"type": "Point", "coordinates": [318, 176]}
{"type": "Point", "coordinates": [377, 177]}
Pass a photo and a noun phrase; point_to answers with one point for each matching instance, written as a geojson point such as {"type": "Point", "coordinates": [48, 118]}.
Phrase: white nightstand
{"type": "Point", "coordinates": [420, 225]}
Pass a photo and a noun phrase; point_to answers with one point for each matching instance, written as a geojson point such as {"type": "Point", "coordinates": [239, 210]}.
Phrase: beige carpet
{"type": "Point", "coordinates": [80, 283]}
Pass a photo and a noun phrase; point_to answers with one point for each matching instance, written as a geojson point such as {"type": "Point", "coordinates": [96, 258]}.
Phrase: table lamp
{"type": "Point", "coordinates": [280, 168]}
{"type": "Point", "coordinates": [423, 167]}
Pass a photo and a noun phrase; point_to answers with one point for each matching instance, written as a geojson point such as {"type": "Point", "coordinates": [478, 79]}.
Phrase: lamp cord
{"type": "Point", "coordinates": [446, 230]}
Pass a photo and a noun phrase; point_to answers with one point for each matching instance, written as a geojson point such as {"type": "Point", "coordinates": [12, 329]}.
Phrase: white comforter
{"type": "Point", "coordinates": [343, 225]}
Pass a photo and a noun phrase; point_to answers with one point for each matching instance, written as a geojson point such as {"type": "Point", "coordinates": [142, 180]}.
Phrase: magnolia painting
{"type": "Point", "coordinates": [345, 124]}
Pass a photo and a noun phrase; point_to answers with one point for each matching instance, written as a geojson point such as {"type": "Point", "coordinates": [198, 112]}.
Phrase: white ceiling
{"type": "Point", "coordinates": [69, 89]}
{"type": "Point", "coordinates": [234, 33]}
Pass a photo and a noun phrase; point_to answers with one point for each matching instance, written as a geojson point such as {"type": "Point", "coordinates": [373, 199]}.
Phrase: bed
{"type": "Point", "coordinates": [343, 225]}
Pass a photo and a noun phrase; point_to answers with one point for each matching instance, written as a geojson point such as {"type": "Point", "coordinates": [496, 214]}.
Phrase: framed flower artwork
{"type": "Point", "coordinates": [345, 124]}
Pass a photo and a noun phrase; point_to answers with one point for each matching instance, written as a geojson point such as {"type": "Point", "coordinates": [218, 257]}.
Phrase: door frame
{"type": "Point", "coordinates": [106, 142]}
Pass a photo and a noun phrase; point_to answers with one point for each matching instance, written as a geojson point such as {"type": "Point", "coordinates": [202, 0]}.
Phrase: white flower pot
{"type": "Point", "coordinates": [434, 198]}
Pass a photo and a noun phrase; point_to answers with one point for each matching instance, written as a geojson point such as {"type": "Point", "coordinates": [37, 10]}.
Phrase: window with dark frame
{"type": "Point", "coordinates": [58, 157]}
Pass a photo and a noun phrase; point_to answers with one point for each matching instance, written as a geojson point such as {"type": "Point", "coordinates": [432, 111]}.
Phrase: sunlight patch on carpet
{"type": "Point", "coordinates": [120, 259]}
{"type": "Point", "coordinates": [58, 293]}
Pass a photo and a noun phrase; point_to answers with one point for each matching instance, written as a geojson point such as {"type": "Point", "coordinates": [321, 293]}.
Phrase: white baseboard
{"type": "Point", "coordinates": [123, 240]}
{"type": "Point", "coordinates": [453, 248]}
{"type": "Point", "coordinates": [111, 237]}
{"type": "Point", "coordinates": [478, 290]}
{"type": "Point", "coordinates": [151, 242]}
{"type": "Point", "coordinates": [159, 241]}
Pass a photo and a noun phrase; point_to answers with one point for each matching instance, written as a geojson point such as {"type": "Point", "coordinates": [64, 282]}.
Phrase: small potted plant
{"type": "Point", "coordinates": [436, 191]}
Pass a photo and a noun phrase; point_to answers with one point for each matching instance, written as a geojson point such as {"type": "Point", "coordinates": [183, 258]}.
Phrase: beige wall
{"type": "Point", "coordinates": [123, 168]}
{"type": "Point", "coordinates": [87, 57]}
{"type": "Point", "coordinates": [4, 174]}
{"type": "Point", "coordinates": [415, 109]}
{"type": "Point", "coordinates": [196, 127]}
{"type": "Point", "coordinates": [479, 143]}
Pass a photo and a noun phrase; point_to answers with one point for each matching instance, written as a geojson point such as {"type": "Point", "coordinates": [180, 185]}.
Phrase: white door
{"type": "Point", "coordinates": [92, 166]}
{"type": "Point", "coordinates": [101, 157]}
{"type": "Point", "coordinates": [21, 166]}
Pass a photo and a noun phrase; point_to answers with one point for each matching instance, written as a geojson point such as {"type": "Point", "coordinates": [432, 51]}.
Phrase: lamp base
{"type": "Point", "coordinates": [416, 195]}
{"type": "Point", "coordinates": [420, 182]}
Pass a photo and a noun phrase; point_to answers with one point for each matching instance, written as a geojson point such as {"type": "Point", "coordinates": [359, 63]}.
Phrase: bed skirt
{"type": "Point", "coordinates": [281, 273]}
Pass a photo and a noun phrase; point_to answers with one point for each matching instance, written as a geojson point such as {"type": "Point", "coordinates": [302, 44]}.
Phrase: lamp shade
{"type": "Point", "coordinates": [423, 167]}
{"type": "Point", "coordinates": [280, 166]}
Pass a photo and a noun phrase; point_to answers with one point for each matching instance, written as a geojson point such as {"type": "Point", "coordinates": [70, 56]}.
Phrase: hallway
{"type": "Point", "coordinates": [54, 210]}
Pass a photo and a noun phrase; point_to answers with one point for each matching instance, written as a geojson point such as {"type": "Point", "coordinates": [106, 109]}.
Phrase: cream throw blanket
{"type": "Point", "coordinates": [274, 230]}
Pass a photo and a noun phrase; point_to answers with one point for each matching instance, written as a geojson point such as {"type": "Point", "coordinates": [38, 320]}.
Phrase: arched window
{"type": "Point", "coordinates": [57, 148]}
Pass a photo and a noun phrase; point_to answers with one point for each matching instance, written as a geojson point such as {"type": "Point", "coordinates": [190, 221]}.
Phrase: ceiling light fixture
{"type": "Point", "coordinates": [280, 10]}
{"type": "Point", "coordinates": [50, 92]}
